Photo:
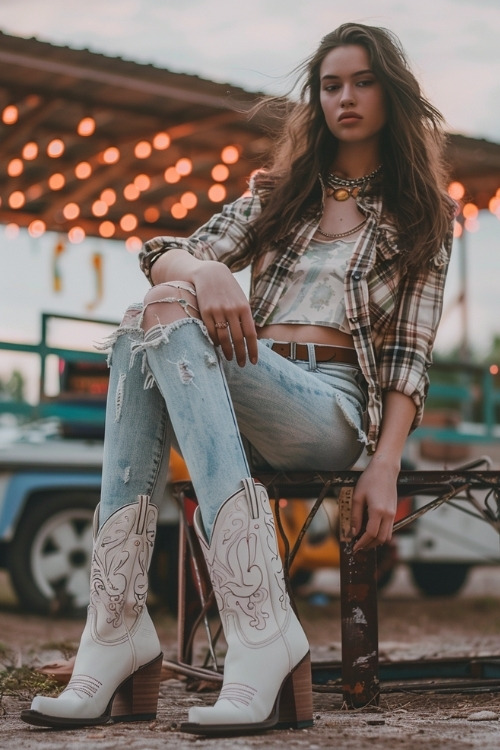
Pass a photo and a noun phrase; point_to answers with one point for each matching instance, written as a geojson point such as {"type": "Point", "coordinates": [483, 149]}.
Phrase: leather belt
{"type": "Point", "coordinates": [323, 353]}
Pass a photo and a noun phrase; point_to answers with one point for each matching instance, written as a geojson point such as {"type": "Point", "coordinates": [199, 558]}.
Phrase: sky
{"type": "Point", "coordinates": [452, 45]}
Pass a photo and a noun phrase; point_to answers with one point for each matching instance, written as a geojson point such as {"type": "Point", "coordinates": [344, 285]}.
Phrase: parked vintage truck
{"type": "Point", "coordinates": [48, 494]}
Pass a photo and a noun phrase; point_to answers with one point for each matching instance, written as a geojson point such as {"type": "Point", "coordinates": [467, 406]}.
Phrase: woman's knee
{"type": "Point", "coordinates": [167, 302]}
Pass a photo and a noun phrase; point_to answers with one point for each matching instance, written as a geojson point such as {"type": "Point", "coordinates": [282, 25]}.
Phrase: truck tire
{"type": "Point", "coordinates": [439, 579]}
{"type": "Point", "coordinates": [49, 557]}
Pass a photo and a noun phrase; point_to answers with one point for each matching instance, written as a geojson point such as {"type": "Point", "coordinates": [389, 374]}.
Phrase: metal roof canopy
{"type": "Point", "coordinates": [55, 87]}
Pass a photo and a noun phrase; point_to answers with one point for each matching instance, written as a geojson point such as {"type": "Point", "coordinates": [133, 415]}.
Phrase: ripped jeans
{"type": "Point", "coordinates": [171, 386]}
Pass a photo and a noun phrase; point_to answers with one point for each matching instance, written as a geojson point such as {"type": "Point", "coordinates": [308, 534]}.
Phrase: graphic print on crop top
{"type": "Point", "coordinates": [314, 294]}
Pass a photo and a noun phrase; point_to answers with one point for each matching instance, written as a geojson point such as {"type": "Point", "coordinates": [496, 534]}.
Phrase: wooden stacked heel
{"type": "Point", "coordinates": [295, 708]}
{"type": "Point", "coordinates": [137, 698]}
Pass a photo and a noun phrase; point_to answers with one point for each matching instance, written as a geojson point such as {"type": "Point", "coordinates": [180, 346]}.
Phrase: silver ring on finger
{"type": "Point", "coordinates": [223, 324]}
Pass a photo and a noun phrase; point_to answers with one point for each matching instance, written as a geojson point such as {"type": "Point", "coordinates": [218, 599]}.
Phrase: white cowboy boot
{"type": "Point", "coordinates": [267, 669]}
{"type": "Point", "coordinates": [116, 676]}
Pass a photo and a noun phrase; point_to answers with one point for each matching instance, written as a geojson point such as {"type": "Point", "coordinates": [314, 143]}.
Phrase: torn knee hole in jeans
{"type": "Point", "coordinates": [185, 304]}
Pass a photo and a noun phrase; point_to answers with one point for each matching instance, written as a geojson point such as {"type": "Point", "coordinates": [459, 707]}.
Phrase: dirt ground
{"type": "Point", "coordinates": [410, 627]}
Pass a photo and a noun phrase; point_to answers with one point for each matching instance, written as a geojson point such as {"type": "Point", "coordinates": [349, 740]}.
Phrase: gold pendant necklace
{"type": "Point", "coordinates": [341, 189]}
{"type": "Point", "coordinates": [339, 235]}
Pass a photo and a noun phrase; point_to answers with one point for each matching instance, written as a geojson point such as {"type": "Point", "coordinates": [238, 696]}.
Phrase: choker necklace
{"type": "Point", "coordinates": [338, 235]}
{"type": "Point", "coordinates": [341, 188]}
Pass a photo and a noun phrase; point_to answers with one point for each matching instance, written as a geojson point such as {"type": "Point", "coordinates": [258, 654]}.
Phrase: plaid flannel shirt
{"type": "Point", "coordinates": [393, 315]}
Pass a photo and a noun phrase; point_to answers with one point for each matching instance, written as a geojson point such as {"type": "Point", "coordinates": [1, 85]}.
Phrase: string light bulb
{"type": "Point", "coordinates": [217, 193]}
{"type": "Point", "coordinates": [111, 155]}
{"type": "Point", "coordinates": [56, 181]}
{"type": "Point", "coordinates": [230, 154]}
{"type": "Point", "coordinates": [30, 151]}
{"type": "Point", "coordinates": [99, 208]}
{"type": "Point", "coordinates": [108, 195]}
{"type": "Point", "coordinates": [55, 148]}
{"type": "Point", "coordinates": [494, 205]}
{"type": "Point", "coordinates": [184, 166]}
{"type": "Point", "coordinates": [36, 228]}
{"type": "Point", "coordinates": [17, 199]}
{"type": "Point", "coordinates": [456, 191]}
{"type": "Point", "coordinates": [142, 150]}
{"type": "Point", "coordinates": [133, 244]}
{"type": "Point", "coordinates": [131, 192]}
{"type": "Point", "coordinates": [128, 222]}
{"type": "Point", "coordinates": [171, 175]}
{"type": "Point", "coordinates": [71, 211]}
{"type": "Point", "coordinates": [161, 141]}
{"type": "Point", "coordinates": [178, 211]}
{"type": "Point", "coordinates": [83, 170]}
{"type": "Point", "coordinates": [15, 167]}
{"type": "Point", "coordinates": [142, 182]}
{"type": "Point", "coordinates": [106, 229]}
{"type": "Point", "coordinates": [189, 200]}
{"type": "Point", "coordinates": [470, 211]}
{"type": "Point", "coordinates": [76, 235]}
{"type": "Point", "coordinates": [86, 126]}
{"type": "Point", "coordinates": [220, 173]}
{"type": "Point", "coordinates": [151, 214]}
{"type": "Point", "coordinates": [10, 115]}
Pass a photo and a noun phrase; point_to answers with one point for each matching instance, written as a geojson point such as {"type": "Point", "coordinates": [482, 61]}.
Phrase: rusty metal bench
{"type": "Point", "coordinates": [360, 682]}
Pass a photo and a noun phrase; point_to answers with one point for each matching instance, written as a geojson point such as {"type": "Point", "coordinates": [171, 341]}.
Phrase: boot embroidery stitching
{"type": "Point", "coordinates": [83, 685]}
{"type": "Point", "coordinates": [122, 551]}
{"type": "Point", "coordinates": [237, 693]}
{"type": "Point", "coordinates": [238, 576]}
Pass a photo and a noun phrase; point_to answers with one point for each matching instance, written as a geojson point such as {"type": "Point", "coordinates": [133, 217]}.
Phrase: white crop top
{"type": "Point", "coordinates": [314, 294]}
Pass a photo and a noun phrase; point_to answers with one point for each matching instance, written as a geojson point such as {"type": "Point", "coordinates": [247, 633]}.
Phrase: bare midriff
{"type": "Point", "coordinates": [305, 334]}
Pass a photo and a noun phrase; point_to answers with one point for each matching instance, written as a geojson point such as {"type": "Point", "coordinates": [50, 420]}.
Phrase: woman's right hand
{"type": "Point", "coordinates": [219, 297]}
{"type": "Point", "coordinates": [222, 300]}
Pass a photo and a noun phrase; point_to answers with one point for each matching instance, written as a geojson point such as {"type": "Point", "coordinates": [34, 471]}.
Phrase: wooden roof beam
{"type": "Point", "coordinates": [56, 66]}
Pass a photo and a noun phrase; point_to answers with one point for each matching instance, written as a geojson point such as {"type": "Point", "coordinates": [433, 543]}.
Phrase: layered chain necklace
{"type": "Point", "coordinates": [339, 235]}
{"type": "Point", "coordinates": [341, 188]}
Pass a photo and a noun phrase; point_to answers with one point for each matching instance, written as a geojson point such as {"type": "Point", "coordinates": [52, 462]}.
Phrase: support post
{"type": "Point", "coordinates": [358, 600]}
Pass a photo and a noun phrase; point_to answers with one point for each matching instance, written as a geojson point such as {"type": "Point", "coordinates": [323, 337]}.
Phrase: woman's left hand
{"type": "Point", "coordinates": [375, 499]}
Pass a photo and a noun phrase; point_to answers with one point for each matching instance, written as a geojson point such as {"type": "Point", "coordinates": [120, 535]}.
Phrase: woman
{"type": "Point", "coordinates": [348, 237]}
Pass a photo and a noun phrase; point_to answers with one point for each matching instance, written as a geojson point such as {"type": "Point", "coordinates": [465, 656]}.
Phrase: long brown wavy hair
{"type": "Point", "coordinates": [413, 179]}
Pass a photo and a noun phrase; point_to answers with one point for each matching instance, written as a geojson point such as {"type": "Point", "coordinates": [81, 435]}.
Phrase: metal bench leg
{"type": "Point", "coordinates": [358, 602]}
